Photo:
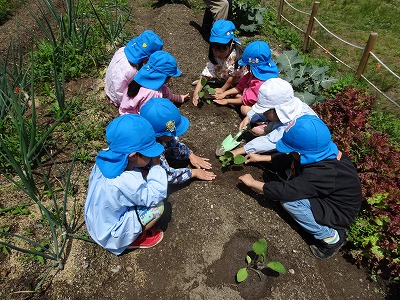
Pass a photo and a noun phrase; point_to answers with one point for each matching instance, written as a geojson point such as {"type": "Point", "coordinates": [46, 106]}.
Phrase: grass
{"type": "Point", "coordinates": [353, 21]}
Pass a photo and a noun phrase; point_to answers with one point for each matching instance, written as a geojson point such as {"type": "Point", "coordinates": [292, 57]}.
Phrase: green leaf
{"type": "Point", "coordinates": [260, 246]}
{"type": "Point", "coordinates": [211, 91]}
{"type": "Point", "coordinates": [276, 266]}
{"type": "Point", "coordinates": [242, 275]}
{"type": "Point", "coordinates": [201, 94]}
{"type": "Point", "coordinates": [203, 81]}
{"type": "Point", "coordinates": [239, 159]}
{"type": "Point", "coordinates": [248, 259]}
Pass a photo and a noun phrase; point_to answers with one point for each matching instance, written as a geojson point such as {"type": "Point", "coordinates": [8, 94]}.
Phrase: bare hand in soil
{"type": "Point", "coordinates": [185, 97]}
{"type": "Point", "coordinates": [219, 96]}
{"type": "Point", "coordinates": [203, 174]}
{"type": "Point", "coordinates": [221, 102]}
{"type": "Point", "coordinates": [195, 99]}
{"type": "Point", "coordinates": [199, 162]}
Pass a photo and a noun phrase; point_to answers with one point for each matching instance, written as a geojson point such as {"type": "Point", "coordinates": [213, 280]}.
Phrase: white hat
{"type": "Point", "coordinates": [276, 93]}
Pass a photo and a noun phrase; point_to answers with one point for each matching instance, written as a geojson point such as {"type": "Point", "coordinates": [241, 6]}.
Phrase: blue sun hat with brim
{"type": "Point", "coordinates": [165, 117]}
{"type": "Point", "coordinates": [223, 32]}
{"type": "Point", "coordinates": [158, 68]}
{"type": "Point", "coordinates": [257, 55]}
{"type": "Point", "coordinates": [310, 137]}
{"type": "Point", "coordinates": [143, 46]}
{"type": "Point", "coordinates": [125, 135]}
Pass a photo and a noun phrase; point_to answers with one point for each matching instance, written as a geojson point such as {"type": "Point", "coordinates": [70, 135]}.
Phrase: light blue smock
{"type": "Point", "coordinates": [110, 214]}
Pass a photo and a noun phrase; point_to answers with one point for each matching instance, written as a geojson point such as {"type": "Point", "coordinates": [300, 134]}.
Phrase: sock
{"type": "Point", "coordinates": [333, 239]}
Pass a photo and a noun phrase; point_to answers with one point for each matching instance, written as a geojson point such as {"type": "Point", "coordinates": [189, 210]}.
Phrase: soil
{"type": "Point", "coordinates": [209, 226]}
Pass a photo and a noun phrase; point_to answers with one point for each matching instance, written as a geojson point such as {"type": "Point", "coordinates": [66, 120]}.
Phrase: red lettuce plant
{"type": "Point", "coordinates": [375, 234]}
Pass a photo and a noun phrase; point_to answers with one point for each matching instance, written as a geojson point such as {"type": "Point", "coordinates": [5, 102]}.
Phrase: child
{"type": "Point", "coordinates": [169, 124]}
{"type": "Point", "coordinates": [122, 204]}
{"type": "Point", "coordinates": [150, 82]}
{"type": "Point", "coordinates": [127, 61]}
{"type": "Point", "coordinates": [324, 193]}
{"type": "Point", "coordinates": [276, 104]}
{"type": "Point", "coordinates": [224, 53]}
{"type": "Point", "coordinates": [257, 55]}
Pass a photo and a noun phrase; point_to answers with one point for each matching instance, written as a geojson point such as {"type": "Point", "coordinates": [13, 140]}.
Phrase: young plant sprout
{"type": "Point", "coordinates": [228, 159]}
{"type": "Point", "coordinates": [206, 91]}
{"type": "Point", "coordinates": [259, 262]}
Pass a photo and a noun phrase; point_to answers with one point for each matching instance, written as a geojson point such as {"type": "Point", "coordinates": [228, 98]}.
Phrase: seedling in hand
{"type": "Point", "coordinates": [259, 262]}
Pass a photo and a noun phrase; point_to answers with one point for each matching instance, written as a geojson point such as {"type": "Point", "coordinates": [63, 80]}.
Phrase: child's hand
{"type": "Point", "coordinates": [185, 97]}
{"type": "Point", "coordinates": [253, 157]}
{"type": "Point", "coordinates": [222, 101]}
{"type": "Point", "coordinates": [219, 91]}
{"type": "Point", "coordinates": [195, 99]}
{"type": "Point", "coordinates": [247, 179]}
{"type": "Point", "coordinates": [199, 162]}
{"type": "Point", "coordinates": [203, 174]}
{"type": "Point", "coordinates": [219, 96]}
{"type": "Point", "coordinates": [244, 123]}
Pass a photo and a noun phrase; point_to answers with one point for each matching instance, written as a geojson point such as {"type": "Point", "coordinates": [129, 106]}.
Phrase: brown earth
{"type": "Point", "coordinates": [209, 226]}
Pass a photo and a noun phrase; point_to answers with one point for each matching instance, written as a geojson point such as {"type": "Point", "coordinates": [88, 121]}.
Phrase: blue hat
{"type": "Point", "coordinates": [165, 117]}
{"type": "Point", "coordinates": [310, 137]}
{"type": "Point", "coordinates": [143, 46]}
{"type": "Point", "coordinates": [160, 65]}
{"type": "Point", "coordinates": [258, 56]}
{"type": "Point", "coordinates": [125, 135]}
{"type": "Point", "coordinates": [222, 32]}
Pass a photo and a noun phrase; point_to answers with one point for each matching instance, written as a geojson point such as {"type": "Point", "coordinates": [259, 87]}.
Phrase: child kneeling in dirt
{"type": "Point", "coordinates": [223, 70]}
{"type": "Point", "coordinates": [257, 58]}
{"type": "Point", "coordinates": [323, 191]}
{"type": "Point", "coordinates": [276, 106]}
{"type": "Point", "coordinates": [150, 82]}
{"type": "Point", "coordinates": [126, 62]}
{"type": "Point", "coordinates": [169, 124]}
{"type": "Point", "coordinates": [127, 187]}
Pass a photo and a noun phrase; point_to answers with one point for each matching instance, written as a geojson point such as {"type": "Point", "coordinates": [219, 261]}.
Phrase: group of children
{"type": "Point", "coordinates": [320, 189]}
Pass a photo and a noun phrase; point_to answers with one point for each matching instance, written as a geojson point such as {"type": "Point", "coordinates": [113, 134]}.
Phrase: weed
{"type": "Point", "coordinates": [258, 262]}
{"type": "Point", "coordinates": [20, 209]}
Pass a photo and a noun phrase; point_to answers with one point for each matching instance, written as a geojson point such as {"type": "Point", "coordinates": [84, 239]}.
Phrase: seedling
{"type": "Point", "coordinates": [206, 91]}
{"type": "Point", "coordinates": [259, 262]}
{"type": "Point", "coordinates": [228, 158]}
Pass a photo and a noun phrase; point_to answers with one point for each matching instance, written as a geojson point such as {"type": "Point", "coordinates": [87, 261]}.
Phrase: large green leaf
{"type": "Point", "coordinates": [276, 266]}
{"type": "Point", "coordinates": [305, 97]}
{"type": "Point", "coordinates": [242, 275]}
{"type": "Point", "coordinates": [260, 246]}
{"type": "Point", "coordinates": [288, 60]}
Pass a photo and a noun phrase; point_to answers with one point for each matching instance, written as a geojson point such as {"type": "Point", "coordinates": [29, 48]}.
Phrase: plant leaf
{"type": "Point", "coordinates": [260, 246]}
{"type": "Point", "coordinates": [276, 266]}
{"type": "Point", "coordinates": [242, 275]}
{"type": "Point", "coordinates": [248, 259]}
{"type": "Point", "coordinates": [201, 94]}
{"type": "Point", "coordinates": [203, 81]}
{"type": "Point", "coordinates": [239, 159]}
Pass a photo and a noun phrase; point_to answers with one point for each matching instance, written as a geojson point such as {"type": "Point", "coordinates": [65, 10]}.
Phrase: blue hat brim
{"type": "Point", "coordinates": [265, 71]}
{"type": "Point", "coordinates": [180, 129]}
{"type": "Point", "coordinates": [153, 79]}
{"type": "Point", "coordinates": [220, 40]}
{"type": "Point", "coordinates": [329, 152]}
{"type": "Point", "coordinates": [155, 150]}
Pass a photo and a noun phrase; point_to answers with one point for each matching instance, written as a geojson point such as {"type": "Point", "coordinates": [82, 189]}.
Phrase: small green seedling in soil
{"type": "Point", "coordinates": [228, 158]}
{"type": "Point", "coordinates": [259, 262]}
{"type": "Point", "coordinates": [206, 91]}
